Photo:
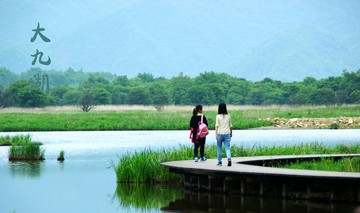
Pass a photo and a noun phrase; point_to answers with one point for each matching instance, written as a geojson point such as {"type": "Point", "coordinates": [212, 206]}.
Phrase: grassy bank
{"type": "Point", "coordinates": [147, 119]}
{"type": "Point", "coordinates": [144, 167]}
{"type": "Point", "coordinates": [345, 164]}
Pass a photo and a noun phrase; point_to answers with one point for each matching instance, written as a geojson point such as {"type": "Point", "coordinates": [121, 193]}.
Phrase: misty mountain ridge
{"type": "Point", "coordinates": [282, 40]}
{"type": "Point", "coordinates": [301, 52]}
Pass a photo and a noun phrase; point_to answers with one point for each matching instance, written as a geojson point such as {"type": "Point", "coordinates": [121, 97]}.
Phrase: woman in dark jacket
{"type": "Point", "coordinates": [200, 142]}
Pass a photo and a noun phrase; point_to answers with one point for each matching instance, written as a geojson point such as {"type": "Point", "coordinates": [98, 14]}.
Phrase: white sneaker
{"type": "Point", "coordinates": [196, 159]}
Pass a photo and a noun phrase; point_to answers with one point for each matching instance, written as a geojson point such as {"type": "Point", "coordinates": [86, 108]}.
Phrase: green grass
{"type": "Point", "coordinates": [305, 112]}
{"type": "Point", "coordinates": [165, 120]}
{"type": "Point", "coordinates": [26, 152]}
{"type": "Point", "coordinates": [345, 164]}
{"type": "Point", "coordinates": [15, 140]}
{"type": "Point", "coordinates": [22, 148]}
{"type": "Point", "coordinates": [61, 156]}
{"type": "Point", "coordinates": [318, 112]}
{"type": "Point", "coordinates": [132, 120]}
{"type": "Point", "coordinates": [144, 167]}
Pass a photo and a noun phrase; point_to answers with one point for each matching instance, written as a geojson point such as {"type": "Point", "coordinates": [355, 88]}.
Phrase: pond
{"type": "Point", "coordinates": [86, 182]}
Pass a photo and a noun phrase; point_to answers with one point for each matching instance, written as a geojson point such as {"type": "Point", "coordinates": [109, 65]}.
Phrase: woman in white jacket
{"type": "Point", "coordinates": [223, 133]}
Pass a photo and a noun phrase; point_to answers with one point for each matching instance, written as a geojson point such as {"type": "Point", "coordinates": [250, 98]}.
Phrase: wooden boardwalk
{"type": "Point", "coordinates": [251, 175]}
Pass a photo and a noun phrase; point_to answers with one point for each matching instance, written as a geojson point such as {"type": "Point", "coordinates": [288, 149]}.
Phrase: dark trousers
{"type": "Point", "coordinates": [200, 143]}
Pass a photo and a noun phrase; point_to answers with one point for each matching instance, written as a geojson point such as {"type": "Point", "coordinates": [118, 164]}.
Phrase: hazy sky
{"type": "Point", "coordinates": [171, 36]}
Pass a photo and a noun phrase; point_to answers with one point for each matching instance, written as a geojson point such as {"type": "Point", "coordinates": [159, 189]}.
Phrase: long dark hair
{"type": "Point", "coordinates": [222, 109]}
{"type": "Point", "coordinates": [197, 109]}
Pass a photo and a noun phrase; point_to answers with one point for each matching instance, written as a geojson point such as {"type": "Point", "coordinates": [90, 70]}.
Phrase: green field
{"type": "Point", "coordinates": [243, 118]}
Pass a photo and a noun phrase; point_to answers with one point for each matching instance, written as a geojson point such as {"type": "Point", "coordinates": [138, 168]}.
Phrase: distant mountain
{"type": "Point", "coordinates": [297, 54]}
{"type": "Point", "coordinates": [283, 40]}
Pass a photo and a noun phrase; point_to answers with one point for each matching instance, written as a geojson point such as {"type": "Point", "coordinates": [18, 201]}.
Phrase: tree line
{"type": "Point", "coordinates": [39, 88]}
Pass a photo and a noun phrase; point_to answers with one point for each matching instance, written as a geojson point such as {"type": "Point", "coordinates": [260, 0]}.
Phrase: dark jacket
{"type": "Point", "coordinates": [194, 123]}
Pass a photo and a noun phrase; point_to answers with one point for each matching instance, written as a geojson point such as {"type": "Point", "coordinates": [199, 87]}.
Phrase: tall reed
{"type": "Point", "coordinates": [15, 140]}
{"type": "Point", "coordinates": [26, 152]}
{"type": "Point", "coordinates": [144, 166]}
{"type": "Point", "coordinates": [23, 148]}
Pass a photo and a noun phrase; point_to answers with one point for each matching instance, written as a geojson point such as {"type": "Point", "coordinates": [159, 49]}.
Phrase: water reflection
{"type": "Point", "coordinates": [25, 169]}
{"type": "Point", "coordinates": [145, 197]}
{"type": "Point", "coordinates": [207, 202]}
{"type": "Point", "coordinates": [149, 198]}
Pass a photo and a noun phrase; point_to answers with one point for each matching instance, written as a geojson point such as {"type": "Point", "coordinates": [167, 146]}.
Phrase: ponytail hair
{"type": "Point", "coordinates": [194, 112]}
{"type": "Point", "coordinates": [197, 109]}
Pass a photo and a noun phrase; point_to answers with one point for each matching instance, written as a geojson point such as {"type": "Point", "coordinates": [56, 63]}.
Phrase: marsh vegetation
{"type": "Point", "coordinates": [144, 167]}
{"type": "Point", "coordinates": [327, 164]}
{"type": "Point", "coordinates": [145, 118]}
{"type": "Point", "coordinates": [23, 148]}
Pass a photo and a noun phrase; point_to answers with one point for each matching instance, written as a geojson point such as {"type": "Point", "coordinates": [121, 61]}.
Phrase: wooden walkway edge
{"type": "Point", "coordinates": [251, 176]}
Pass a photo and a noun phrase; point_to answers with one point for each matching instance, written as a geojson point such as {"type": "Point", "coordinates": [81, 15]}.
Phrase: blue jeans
{"type": "Point", "coordinates": [226, 139]}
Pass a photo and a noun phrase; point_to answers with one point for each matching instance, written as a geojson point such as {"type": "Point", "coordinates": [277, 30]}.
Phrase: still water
{"type": "Point", "coordinates": [86, 182]}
